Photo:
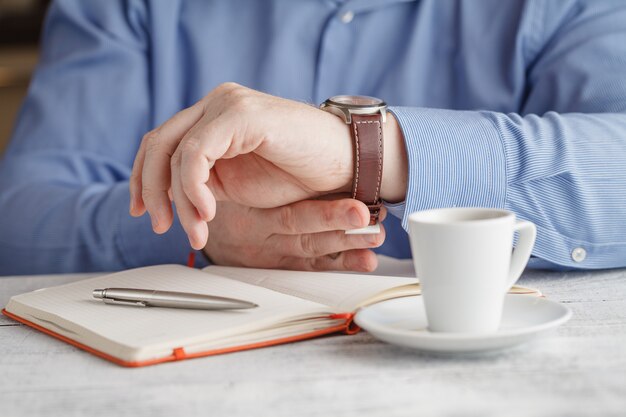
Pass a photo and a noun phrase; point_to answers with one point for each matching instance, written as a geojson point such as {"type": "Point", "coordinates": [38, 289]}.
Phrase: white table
{"type": "Point", "coordinates": [579, 370]}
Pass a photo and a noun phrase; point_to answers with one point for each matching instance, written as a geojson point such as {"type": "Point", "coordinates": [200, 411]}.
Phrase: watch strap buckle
{"type": "Point", "coordinates": [374, 211]}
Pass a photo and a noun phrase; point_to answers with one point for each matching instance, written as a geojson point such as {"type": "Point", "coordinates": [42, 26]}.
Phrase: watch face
{"type": "Point", "coordinates": [356, 101]}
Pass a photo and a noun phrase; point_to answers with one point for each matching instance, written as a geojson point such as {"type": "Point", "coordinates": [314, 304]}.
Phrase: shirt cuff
{"type": "Point", "coordinates": [456, 159]}
{"type": "Point", "coordinates": [395, 209]}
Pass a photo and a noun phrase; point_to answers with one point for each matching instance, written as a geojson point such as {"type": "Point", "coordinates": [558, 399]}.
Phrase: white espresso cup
{"type": "Point", "coordinates": [465, 262]}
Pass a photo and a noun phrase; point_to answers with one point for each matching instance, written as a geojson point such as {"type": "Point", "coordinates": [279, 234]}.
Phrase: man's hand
{"type": "Point", "coordinates": [240, 145]}
{"type": "Point", "coordinates": [307, 235]}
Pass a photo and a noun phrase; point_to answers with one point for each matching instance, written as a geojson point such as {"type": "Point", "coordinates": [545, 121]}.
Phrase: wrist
{"type": "Point", "coordinates": [395, 163]}
{"type": "Point", "coordinates": [345, 157]}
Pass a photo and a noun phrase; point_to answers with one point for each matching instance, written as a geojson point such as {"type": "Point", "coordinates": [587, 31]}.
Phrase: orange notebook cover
{"type": "Point", "coordinates": [348, 327]}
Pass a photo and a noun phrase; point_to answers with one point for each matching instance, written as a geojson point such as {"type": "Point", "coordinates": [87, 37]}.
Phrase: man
{"type": "Point", "coordinates": [517, 105]}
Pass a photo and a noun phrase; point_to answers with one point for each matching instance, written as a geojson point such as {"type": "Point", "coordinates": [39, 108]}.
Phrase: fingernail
{"type": "Point", "coordinates": [372, 239]}
{"type": "Point", "coordinates": [193, 241]}
{"type": "Point", "coordinates": [204, 215]}
{"type": "Point", "coordinates": [354, 218]}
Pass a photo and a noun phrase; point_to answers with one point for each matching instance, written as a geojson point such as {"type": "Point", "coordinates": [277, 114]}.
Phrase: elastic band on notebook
{"type": "Point", "coordinates": [339, 316]}
{"type": "Point", "coordinates": [191, 259]}
{"type": "Point", "coordinates": [350, 326]}
{"type": "Point", "coordinates": [179, 353]}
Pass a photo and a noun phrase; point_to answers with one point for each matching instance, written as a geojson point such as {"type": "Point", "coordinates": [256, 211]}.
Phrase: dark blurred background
{"type": "Point", "coordinates": [20, 30]}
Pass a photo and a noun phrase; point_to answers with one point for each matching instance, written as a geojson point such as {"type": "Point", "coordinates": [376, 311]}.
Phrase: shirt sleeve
{"type": "Point", "coordinates": [64, 179]}
{"type": "Point", "coordinates": [559, 162]}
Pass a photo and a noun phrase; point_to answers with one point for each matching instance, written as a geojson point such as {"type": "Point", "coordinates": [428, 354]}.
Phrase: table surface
{"type": "Point", "coordinates": [577, 370]}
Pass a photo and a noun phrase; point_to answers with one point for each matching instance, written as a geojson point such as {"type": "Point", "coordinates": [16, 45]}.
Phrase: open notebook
{"type": "Point", "coordinates": [292, 306]}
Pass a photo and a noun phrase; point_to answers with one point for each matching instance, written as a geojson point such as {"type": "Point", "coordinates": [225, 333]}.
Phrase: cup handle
{"type": "Point", "coordinates": [521, 252]}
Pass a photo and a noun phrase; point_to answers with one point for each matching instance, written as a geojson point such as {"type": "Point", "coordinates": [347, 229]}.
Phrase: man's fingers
{"type": "Point", "coordinates": [313, 216]}
{"type": "Point", "coordinates": [152, 169]}
{"type": "Point", "coordinates": [199, 150]}
{"type": "Point", "coordinates": [196, 228]}
{"type": "Point", "coordinates": [155, 184]}
{"type": "Point", "coordinates": [137, 207]}
{"type": "Point", "coordinates": [360, 260]}
{"type": "Point", "coordinates": [311, 245]}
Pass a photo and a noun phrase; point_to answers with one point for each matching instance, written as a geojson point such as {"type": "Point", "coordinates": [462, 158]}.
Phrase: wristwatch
{"type": "Point", "coordinates": [366, 116]}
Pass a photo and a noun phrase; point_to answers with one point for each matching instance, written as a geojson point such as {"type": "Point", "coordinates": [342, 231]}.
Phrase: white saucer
{"type": "Point", "coordinates": [402, 321]}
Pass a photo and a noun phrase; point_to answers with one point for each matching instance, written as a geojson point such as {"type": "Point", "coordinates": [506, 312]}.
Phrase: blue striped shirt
{"type": "Point", "coordinates": [512, 104]}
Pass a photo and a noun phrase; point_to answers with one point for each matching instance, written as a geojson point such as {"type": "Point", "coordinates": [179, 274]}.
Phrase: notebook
{"type": "Point", "coordinates": [293, 306]}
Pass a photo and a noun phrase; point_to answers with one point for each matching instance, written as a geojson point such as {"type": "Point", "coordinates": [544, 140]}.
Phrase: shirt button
{"type": "Point", "coordinates": [579, 254]}
{"type": "Point", "coordinates": [347, 16]}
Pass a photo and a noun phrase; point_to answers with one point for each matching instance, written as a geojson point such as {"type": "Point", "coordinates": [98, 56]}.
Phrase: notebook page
{"type": "Point", "coordinates": [136, 333]}
{"type": "Point", "coordinates": [341, 291]}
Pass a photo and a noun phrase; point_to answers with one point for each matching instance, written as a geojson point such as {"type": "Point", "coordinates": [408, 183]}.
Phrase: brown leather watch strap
{"type": "Point", "coordinates": [367, 132]}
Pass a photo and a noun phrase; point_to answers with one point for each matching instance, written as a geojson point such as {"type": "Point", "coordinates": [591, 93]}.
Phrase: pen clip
{"type": "Point", "coordinates": [125, 302]}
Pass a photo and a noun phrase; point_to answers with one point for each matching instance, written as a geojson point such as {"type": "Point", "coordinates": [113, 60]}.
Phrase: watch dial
{"type": "Point", "coordinates": [356, 100]}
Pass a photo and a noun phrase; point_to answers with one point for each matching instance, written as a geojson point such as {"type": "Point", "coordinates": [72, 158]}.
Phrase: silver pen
{"type": "Point", "coordinates": [171, 299]}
